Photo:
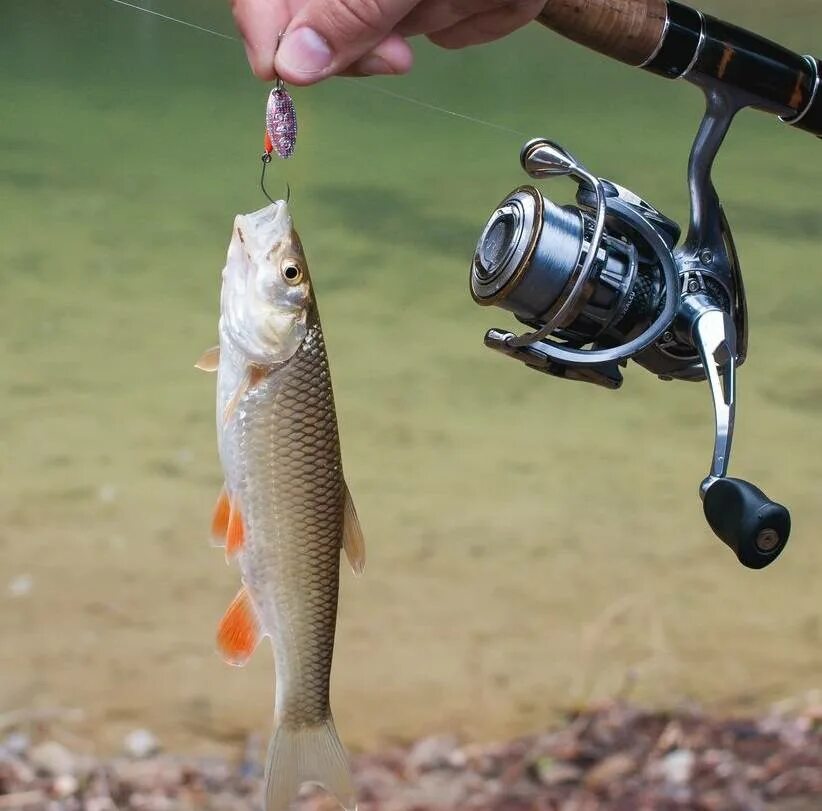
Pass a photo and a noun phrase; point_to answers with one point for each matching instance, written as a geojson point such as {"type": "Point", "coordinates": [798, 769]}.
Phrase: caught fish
{"type": "Point", "coordinates": [285, 511]}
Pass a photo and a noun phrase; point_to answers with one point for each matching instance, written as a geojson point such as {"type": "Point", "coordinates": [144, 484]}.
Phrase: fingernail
{"type": "Point", "coordinates": [304, 51]}
{"type": "Point", "coordinates": [373, 65]}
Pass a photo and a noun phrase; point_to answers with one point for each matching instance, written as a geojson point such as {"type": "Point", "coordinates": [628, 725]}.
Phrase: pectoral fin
{"type": "Point", "coordinates": [253, 375]}
{"type": "Point", "coordinates": [209, 360]}
{"type": "Point", "coordinates": [353, 541]}
{"type": "Point", "coordinates": [239, 631]}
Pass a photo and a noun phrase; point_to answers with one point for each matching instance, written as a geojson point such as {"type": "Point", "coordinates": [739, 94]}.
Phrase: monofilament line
{"type": "Point", "coordinates": [426, 106]}
{"type": "Point", "coordinates": [177, 20]}
{"type": "Point", "coordinates": [359, 83]}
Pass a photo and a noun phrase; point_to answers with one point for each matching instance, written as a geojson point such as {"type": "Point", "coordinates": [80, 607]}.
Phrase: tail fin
{"type": "Point", "coordinates": [307, 755]}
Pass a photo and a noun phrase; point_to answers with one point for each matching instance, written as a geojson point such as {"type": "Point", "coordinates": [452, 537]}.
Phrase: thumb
{"type": "Point", "coordinates": [326, 36]}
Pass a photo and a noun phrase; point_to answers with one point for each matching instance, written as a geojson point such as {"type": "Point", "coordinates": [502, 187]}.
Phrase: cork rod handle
{"type": "Point", "coordinates": [627, 30]}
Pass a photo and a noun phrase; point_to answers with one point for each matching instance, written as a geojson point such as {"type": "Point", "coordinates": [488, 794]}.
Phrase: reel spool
{"type": "Point", "coordinates": [601, 282]}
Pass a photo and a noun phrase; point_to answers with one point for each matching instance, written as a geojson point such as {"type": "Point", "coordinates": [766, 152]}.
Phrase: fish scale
{"type": "Point", "coordinates": [292, 495]}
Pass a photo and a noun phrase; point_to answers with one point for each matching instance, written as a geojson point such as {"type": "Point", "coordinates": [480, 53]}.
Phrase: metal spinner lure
{"type": "Point", "coordinates": [280, 129]}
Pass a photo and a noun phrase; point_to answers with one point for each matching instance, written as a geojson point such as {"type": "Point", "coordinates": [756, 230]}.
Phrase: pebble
{"type": "Point", "coordinates": [553, 773]}
{"type": "Point", "coordinates": [373, 782]}
{"type": "Point", "coordinates": [147, 774]}
{"type": "Point", "coordinates": [140, 743]}
{"type": "Point", "coordinates": [100, 804]}
{"type": "Point", "coordinates": [52, 758]}
{"type": "Point", "coordinates": [621, 760]}
{"type": "Point", "coordinates": [435, 791]}
{"type": "Point", "coordinates": [677, 767]}
{"type": "Point", "coordinates": [65, 785]}
{"type": "Point", "coordinates": [150, 802]}
{"type": "Point", "coordinates": [431, 753]}
{"type": "Point", "coordinates": [613, 768]}
{"type": "Point", "coordinates": [17, 743]}
{"type": "Point", "coordinates": [15, 769]}
{"type": "Point", "coordinates": [224, 801]}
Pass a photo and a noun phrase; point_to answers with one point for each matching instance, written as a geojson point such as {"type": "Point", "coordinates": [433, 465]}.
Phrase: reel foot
{"type": "Point", "coordinates": [743, 517]}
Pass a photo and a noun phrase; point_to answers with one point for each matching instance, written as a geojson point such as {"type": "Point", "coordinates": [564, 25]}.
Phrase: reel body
{"type": "Point", "coordinates": [602, 282]}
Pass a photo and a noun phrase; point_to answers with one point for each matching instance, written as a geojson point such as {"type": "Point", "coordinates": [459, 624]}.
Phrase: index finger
{"type": "Point", "coordinates": [260, 23]}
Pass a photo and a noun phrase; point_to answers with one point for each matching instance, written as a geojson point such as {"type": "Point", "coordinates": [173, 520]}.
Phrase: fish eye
{"type": "Point", "coordinates": [292, 273]}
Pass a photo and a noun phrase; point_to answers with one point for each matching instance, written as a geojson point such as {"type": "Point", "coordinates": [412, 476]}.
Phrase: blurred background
{"type": "Point", "coordinates": [533, 545]}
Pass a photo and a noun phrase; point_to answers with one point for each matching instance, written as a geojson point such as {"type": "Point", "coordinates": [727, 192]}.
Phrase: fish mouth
{"type": "Point", "coordinates": [267, 226]}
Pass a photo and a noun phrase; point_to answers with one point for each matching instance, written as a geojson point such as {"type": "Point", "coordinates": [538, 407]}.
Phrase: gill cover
{"type": "Point", "coordinates": [266, 292]}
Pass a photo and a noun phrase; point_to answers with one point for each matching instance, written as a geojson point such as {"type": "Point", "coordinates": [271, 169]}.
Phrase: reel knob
{"type": "Point", "coordinates": [744, 518]}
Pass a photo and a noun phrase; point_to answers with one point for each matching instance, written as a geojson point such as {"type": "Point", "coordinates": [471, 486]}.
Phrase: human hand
{"type": "Point", "coordinates": [323, 38]}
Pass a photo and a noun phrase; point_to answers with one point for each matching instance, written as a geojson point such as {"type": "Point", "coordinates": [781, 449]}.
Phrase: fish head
{"type": "Point", "coordinates": [266, 295]}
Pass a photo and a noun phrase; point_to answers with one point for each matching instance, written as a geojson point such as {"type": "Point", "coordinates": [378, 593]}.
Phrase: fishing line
{"type": "Point", "coordinates": [176, 20]}
{"type": "Point", "coordinates": [355, 82]}
{"type": "Point", "coordinates": [426, 106]}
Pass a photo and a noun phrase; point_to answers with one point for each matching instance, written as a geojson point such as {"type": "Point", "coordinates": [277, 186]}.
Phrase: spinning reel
{"type": "Point", "coordinates": [602, 282]}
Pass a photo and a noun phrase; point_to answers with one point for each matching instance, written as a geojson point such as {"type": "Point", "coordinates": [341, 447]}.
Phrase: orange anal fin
{"type": "Point", "coordinates": [235, 531]}
{"type": "Point", "coordinates": [219, 520]}
{"type": "Point", "coordinates": [239, 630]}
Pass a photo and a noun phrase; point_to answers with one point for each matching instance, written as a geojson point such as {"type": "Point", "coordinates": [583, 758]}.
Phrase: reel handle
{"type": "Point", "coordinates": [740, 515]}
{"type": "Point", "coordinates": [743, 517]}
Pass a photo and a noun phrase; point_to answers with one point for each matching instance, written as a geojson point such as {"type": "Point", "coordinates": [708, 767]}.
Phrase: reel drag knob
{"type": "Point", "coordinates": [743, 517]}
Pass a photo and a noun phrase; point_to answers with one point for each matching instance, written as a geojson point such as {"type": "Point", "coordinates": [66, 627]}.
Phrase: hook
{"type": "Point", "coordinates": [266, 159]}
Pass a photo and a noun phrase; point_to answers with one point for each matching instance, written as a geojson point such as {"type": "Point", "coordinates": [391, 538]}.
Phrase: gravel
{"type": "Point", "coordinates": [613, 757]}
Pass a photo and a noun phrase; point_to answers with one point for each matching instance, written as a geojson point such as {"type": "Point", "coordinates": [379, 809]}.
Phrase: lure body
{"type": "Point", "coordinates": [280, 123]}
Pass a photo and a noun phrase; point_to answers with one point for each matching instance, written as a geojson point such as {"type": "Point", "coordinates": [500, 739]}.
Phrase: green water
{"type": "Point", "coordinates": [532, 543]}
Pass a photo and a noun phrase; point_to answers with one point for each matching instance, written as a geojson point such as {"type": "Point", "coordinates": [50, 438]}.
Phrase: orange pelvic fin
{"type": "Point", "coordinates": [235, 531]}
{"type": "Point", "coordinates": [239, 630]}
{"type": "Point", "coordinates": [219, 520]}
{"type": "Point", "coordinates": [209, 360]}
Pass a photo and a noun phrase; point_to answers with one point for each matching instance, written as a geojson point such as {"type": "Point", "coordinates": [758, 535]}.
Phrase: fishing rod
{"type": "Point", "coordinates": [678, 42]}
{"type": "Point", "coordinates": [606, 280]}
